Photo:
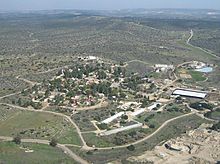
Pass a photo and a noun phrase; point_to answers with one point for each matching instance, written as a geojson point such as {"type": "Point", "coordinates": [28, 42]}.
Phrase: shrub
{"type": "Point", "coordinates": [17, 139]}
{"type": "Point", "coordinates": [53, 142]}
{"type": "Point", "coordinates": [151, 126]}
{"type": "Point", "coordinates": [103, 126]}
{"type": "Point", "coordinates": [131, 147]}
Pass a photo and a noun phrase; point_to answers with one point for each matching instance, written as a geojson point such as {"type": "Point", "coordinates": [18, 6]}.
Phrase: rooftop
{"type": "Point", "coordinates": [190, 93]}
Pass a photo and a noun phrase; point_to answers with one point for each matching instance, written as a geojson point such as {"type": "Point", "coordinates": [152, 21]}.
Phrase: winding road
{"type": "Point", "coordinates": [58, 114]}
{"type": "Point", "coordinates": [188, 43]}
{"type": "Point", "coordinates": [85, 146]}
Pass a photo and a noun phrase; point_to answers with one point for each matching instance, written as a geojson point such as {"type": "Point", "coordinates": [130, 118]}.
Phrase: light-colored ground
{"type": "Point", "coordinates": [196, 146]}
{"type": "Point", "coordinates": [185, 76]}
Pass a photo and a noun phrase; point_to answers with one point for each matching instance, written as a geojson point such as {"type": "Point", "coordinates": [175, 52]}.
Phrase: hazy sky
{"type": "Point", "coordinates": [105, 4]}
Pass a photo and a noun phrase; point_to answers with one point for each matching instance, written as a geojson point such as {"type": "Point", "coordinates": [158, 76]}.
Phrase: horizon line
{"type": "Point", "coordinates": [69, 9]}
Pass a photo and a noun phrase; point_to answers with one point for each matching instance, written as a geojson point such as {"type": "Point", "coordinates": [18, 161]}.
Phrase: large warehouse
{"type": "Point", "coordinates": [190, 93]}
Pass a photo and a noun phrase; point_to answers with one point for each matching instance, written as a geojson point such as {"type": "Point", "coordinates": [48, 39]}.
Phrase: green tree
{"type": "Point", "coordinates": [131, 147]}
{"type": "Point", "coordinates": [103, 126]}
{"type": "Point", "coordinates": [124, 117]}
{"type": "Point", "coordinates": [17, 139]}
{"type": "Point", "coordinates": [53, 142]}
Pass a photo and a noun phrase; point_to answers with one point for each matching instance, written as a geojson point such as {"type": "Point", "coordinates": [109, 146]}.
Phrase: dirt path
{"type": "Point", "coordinates": [200, 114]}
{"type": "Point", "coordinates": [188, 43]}
{"type": "Point", "coordinates": [85, 146]}
{"type": "Point", "coordinates": [102, 104]}
{"type": "Point", "coordinates": [149, 136]}
{"type": "Point", "coordinates": [190, 37]}
{"type": "Point", "coordinates": [140, 61]}
{"type": "Point", "coordinates": [65, 149]}
{"type": "Point", "coordinates": [32, 83]}
{"type": "Point", "coordinates": [54, 69]}
{"type": "Point", "coordinates": [58, 114]}
{"type": "Point", "coordinates": [9, 95]}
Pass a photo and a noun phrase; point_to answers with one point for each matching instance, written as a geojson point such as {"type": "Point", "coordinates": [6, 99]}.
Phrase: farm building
{"type": "Point", "coordinates": [163, 67]}
{"type": "Point", "coordinates": [190, 93]}
{"type": "Point", "coordinates": [110, 119]}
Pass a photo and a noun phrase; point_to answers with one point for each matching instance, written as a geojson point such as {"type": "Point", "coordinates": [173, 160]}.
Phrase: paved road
{"type": "Point", "coordinates": [65, 149]}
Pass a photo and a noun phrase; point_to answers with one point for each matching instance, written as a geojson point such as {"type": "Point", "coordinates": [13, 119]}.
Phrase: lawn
{"type": "Point", "coordinates": [11, 153]}
{"type": "Point", "coordinates": [38, 125]}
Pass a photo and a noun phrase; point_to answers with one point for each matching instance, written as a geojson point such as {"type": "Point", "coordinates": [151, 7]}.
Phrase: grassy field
{"type": "Point", "coordinates": [208, 39]}
{"type": "Point", "coordinates": [213, 78]}
{"type": "Point", "coordinates": [197, 76]}
{"type": "Point", "coordinates": [193, 53]}
{"type": "Point", "coordinates": [214, 114]}
{"type": "Point", "coordinates": [11, 153]}
{"type": "Point", "coordinates": [37, 125]}
{"type": "Point", "coordinates": [159, 118]}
